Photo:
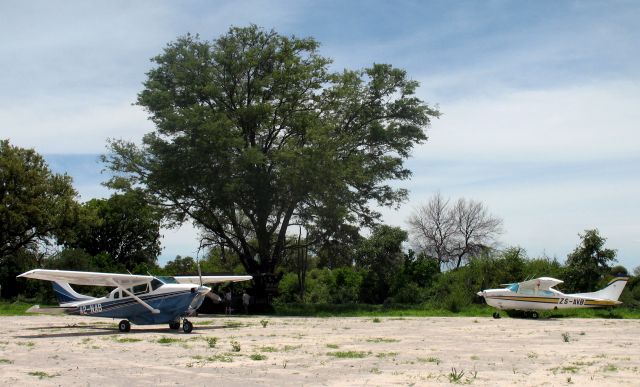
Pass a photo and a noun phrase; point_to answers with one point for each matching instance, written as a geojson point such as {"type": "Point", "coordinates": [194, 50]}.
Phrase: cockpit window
{"type": "Point", "coordinates": [167, 279]}
{"type": "Point", "coordinates": [514, 288]}
{"type": "Point", "coordinates": [155, 284]}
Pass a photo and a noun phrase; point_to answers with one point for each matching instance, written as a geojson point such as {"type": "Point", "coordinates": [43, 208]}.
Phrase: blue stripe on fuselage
{"type": "Point", "coordinates": [171, 305]}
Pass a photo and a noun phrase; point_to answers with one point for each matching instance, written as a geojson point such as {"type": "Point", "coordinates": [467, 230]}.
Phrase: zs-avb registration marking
{"type": "Point", "coordinates": [575, 301]}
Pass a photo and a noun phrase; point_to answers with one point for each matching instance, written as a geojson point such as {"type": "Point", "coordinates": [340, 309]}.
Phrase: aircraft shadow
{"type": "Point", "coordinates": [108, 331]}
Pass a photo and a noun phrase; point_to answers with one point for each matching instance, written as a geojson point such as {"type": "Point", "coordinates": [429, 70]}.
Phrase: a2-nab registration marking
{"type": "Point", "coordinates": [89, 309]}
{"type": "Point", "coordinates": [566, 301]}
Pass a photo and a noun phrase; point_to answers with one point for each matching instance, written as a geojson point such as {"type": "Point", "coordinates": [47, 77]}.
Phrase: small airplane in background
{"type": "Point", "coordinates": [539, 294]}
{"type": "Point", "coordinates": [138, 299]}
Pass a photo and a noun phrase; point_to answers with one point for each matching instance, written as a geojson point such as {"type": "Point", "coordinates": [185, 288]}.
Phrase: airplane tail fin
{"type": "Point", "coordinates": [66, 295]}
{"type": "Point", "coordinates": [612, 291]}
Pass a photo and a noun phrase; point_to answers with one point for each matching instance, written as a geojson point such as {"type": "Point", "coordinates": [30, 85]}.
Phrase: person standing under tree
{"type": "Point", "coordinates": [245, 301]}
{"type": "Point", "coordinates": [227, 301]}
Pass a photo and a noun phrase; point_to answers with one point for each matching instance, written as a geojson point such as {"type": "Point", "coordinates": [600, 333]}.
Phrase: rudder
{"type": "Point", "coordinates": [65, 293]}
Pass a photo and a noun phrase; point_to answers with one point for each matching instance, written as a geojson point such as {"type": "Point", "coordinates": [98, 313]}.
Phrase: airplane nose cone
{"type": "Point", "coordinates": [480, 294]}
{"type": "Point", "coordinates": [203, 290]}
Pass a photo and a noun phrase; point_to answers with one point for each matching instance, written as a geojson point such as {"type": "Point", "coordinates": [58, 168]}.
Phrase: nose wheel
{"type": "Point", "coordinates": [496, 315]}
{"type": "Point", "coordinates": [174, 325]}
{"type": "Point", "coordinates": [187, 326]}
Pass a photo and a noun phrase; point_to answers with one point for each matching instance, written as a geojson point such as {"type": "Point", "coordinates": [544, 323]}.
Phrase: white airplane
{"type": "Point", "coordinates": [138, 299]}
{"type": "Point", "coordinates": [539, 294]}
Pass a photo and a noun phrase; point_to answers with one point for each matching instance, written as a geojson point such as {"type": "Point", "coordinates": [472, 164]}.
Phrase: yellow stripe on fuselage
{"type": "Point", "coordinates": [545, 300]}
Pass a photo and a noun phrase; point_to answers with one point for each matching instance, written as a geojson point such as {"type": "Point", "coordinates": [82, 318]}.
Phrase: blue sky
{"type": "Point", "coordinates": [540, 99]}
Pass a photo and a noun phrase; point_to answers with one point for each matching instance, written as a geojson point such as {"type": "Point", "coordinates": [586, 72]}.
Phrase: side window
{"type": "Point", "coordinates": [138, 289]}
{"type": "Point", "coordinates": [116, 295]}
{"type": "Point", "coordinates": [155, 284]}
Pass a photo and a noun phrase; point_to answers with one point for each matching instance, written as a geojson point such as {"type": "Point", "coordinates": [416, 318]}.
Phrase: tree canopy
{"type": "Point", "coordinates": [588, 264]}
{"type": "Point", "coordinates": [36, 205]}
{"type": "Point", "coordinates": [125, 226]}
{"type": "Point", "coordinates": [254, 134]}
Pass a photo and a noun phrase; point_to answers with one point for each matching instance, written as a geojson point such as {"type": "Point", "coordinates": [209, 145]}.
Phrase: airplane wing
{"type": "Point", "coordinates": [212, 279]}
{"type": "Point", "coordinates": [542, 283]}
{"type": "Point", "coordinates": [88, 278]}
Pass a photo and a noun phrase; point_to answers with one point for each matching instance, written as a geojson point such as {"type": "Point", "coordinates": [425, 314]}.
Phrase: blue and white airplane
{"type": "Point", "coordinates": [138, 299]}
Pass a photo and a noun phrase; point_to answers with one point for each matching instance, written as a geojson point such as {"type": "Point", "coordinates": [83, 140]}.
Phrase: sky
{"type": "Point", "coordinates": [539, 99]}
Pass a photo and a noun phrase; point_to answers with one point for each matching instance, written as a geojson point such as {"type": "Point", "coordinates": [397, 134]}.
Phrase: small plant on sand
{"type": "Point", "coordinates": [258, 356]}
{"type": "Point", "coordinates": [382, 340]}
{"type": "Point", "coordinates": [565, 337]}
{"type": "Point", "coordinates": [233, 324]}
{"type": "Point", "coordinates": [431, 359]}
{"type": "Point", "coordinates": [5, 361]}
{"type": "Point", "coordinates": [386, 354]}
{"type": "Point", "coordinates": [610, 368]}
{"type": "Point", "coordinates": [455, 376]}
{"type": "Point", "coordinates": [268, 349]}
{"type": "Point", "coordinates": [168, 340]}
{"type": "Point", "coordinates": [264, 323]}
{"type": "Point", "coordinates": [212, 341]}
{"type": "Point", "coordinates": [235, 346]}
{"type": "Point", "coordinates": [126, 340]}
{"type": "Point", "coordinates": [349, 354]}
{"type": "Point", "coordinates": [41, 374]}
{"type": "Point", "coordinates": [333, 346]}
{"type": "Point", "coordinates": [221, 358]}
{"type": "Point", "coordinates": [376, 320]}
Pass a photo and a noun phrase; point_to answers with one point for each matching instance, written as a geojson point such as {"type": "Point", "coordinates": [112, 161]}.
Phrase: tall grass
{"type": "Point", "coordinates": [14, 308]}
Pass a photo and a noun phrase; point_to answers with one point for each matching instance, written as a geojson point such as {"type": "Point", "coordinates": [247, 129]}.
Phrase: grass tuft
{"type": "Point", "coordinates": [168, 340]}
{"type": "Point", "coordinates": [41, 374]}
{"type": "Point", "coordinates": [349, 354]}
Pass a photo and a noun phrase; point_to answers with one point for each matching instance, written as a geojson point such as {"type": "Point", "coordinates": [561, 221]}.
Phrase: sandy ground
{"type": "Point", "coordinates": [69, 350]}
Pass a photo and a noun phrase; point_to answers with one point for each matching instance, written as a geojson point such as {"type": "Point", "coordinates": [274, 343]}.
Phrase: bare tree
{"type": "Point", "coordinates": [432, 228]}
{"type": "Point", "coordinates": [453, 233]}
{"type": "Point", "coordinates": [476, 229]}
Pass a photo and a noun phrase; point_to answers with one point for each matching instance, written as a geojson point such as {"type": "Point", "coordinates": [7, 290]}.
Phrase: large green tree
{"type": "Point", "coordinates": [587, 265]}
{"type": "Point", "coordinates": [124, 226]}
{"type": "Point", "coordinates": [36, 205]}
{"type": "Point", "coordinates": [254, 134]}
{"type": "Point", "coordinates": [381, 256]}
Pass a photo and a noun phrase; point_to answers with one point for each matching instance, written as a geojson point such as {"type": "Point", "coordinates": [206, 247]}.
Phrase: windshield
{"type": "Point", "coordinates": [167, 279]}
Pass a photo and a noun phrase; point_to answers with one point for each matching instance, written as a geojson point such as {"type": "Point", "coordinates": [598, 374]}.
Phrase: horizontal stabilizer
{"type": "Point", "coordinates": [48, 310]}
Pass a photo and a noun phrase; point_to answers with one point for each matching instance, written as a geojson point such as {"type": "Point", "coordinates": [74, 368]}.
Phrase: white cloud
{"type": "Point", "coordinates": [72, 125]}
{"type": "Point", "coordinates": [578, 123]}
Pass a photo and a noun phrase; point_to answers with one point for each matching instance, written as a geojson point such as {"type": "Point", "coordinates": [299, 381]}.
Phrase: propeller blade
{"type": "Point", "coordinates": [214, 297]}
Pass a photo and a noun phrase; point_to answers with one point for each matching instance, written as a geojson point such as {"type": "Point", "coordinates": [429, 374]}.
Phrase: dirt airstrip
{"type": "Point", "coordinates": [286, 351]}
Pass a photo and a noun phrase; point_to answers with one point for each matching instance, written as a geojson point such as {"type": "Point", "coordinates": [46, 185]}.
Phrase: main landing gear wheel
{"type": "Point", "coordinates": [174, 325]}
{"type": "Point", "coordinates": [534, 315]}
{"type": "Point", "coordinates": [187, 327]}
{"type": "Point", "coordinates": [124, 326]}
{"type": "Point", "coordinates": [496, 315]}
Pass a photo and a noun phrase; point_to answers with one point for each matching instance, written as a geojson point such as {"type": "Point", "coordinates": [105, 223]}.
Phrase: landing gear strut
{"type": "Point", "coordinates": [187, 326]}
{"type": "Point", "coordinates": [124, 326]}
{"type": "Point", "coordinates": [496, 315]}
